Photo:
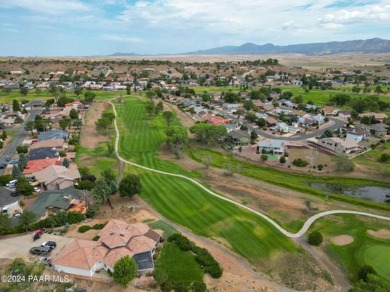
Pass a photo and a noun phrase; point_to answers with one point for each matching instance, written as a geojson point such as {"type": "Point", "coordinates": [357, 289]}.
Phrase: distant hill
{"type": "Point", "coordinates": [122, 54]}
{"type": "Point", "coordinates": [375, 45]}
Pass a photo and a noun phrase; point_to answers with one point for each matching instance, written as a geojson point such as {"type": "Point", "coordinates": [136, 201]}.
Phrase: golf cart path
{"type": "Point", "coordinates": [301, 232]}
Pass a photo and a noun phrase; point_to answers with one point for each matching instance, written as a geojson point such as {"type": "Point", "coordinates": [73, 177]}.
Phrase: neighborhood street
{"type": "Point", "coordinates": [20, 135]}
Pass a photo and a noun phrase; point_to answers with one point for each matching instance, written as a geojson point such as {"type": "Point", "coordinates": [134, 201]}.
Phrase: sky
{"type": "Point", "coordinates": [103, 27]}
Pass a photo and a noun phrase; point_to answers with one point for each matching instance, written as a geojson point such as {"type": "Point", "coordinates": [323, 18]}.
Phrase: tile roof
{"type": "Point", "coordinates": [39, 164]}
{"type": "Point", "coordinates": [42, 153]}
{"type": "Point", "coordinates": [52, 134]}
{"type": "Point", "coordinates": [53, 172]}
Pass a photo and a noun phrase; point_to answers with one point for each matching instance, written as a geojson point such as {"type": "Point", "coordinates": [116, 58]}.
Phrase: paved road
{"type": "Point", "coordinates": [18, 139]}
{"type": "Point", "coordinates": [301, 232]}
{"type": "Point", "coordinates": [336, 124]}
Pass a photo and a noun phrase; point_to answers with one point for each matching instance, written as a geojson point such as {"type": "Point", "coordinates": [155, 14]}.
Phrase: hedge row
{"type": "Point", "coordinates": [203, 257]}
{"type": "Point", "coordinates": [183, 286]}
{"type": "Point", "coordinates": [85, 228]}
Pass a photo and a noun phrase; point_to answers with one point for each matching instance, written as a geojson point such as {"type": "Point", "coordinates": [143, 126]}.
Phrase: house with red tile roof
{"type": "Point", "coordinates": [218, 121]}
{"type": "Point", "coordinates": [39, 164]}
{"type": "Point", "coordinates": [117, 239]}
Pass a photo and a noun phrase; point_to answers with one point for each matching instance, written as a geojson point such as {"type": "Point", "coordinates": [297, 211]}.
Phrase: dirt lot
{"type": "Point", "coordinates": [90, 138]}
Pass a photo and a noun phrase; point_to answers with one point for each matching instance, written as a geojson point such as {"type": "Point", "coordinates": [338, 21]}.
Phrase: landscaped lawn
{"type": "Point", "coordinates": [178, 265]}
{"type": "Point", "coordinates": [364, 250]}
{"type": "Point", "coordinates": [183, 202]}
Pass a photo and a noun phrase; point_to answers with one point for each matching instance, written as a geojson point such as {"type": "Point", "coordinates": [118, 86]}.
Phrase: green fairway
{"type": "Point", "coordinates": [364, 250]}
{"type": "Point", "coordinates": [378, 256]}
{"type": "Point", "coordinates": [176, 265]}
{"type": "Point", "coordinates": [183, 202]}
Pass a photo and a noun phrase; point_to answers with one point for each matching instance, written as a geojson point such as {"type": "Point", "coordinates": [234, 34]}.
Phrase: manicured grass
{"type": "Point", "coordinates": [365, 249]}
{"type": "Point", "coordinates": [378, 256]}
{"type": "Point", "coordinates": [299, 182]}
{"type": "Point", "coordinates": [178, 265]}
{"type": "Point", "coordinates": [162, 225]}
{"type": "Point", "coordinates": [183, 202]}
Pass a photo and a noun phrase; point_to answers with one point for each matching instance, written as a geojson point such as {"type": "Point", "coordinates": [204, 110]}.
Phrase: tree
{"type": "Point", "coordinates": [64, 123]}
{"type": "Point", "coordinates": [261, 122]}
{"type": "Point", "coordinates": [207, 160]}
{"type": "Point", "coordinates": [207, 133]}
{"type": "Point", "coordinates": [101, 191]}
{"type": "Point", "coordinates": [4, 135]}
{"type": "Point", "coordinates": [5, 223]}
{"type": "Point", "coordinates": [374, 283]}
{"type": "Point", "coordinates": [248, 105]}
{"type": "Point", "coordinates": [264, 157]}
{"type": "Point", "coordinates": [125, 269]}
{"type": "Point", "coordinates": [23, 187]}
{"type": "Point", "coordinates": [29, 126]}
{"type": "Point", "coordinates": [15, 106]}
{"type": "Point", "coordinates": [206, 97]}
{"type": "Point", "coordinates": [23, 91]}
{"type": "Point", "coordinates": [26, 219]}
{"type": "Point", "coordinates": [315, 238]}
{"type": "Point", "coordinates": [130, 185]}
{"type": "Point", "coordinates": [343, 163]}
{"type": "Point", "coordinates": [110, 178]}
{"type": "Point", "coordinates": [364, 271]}
{"type": "Point", "coordinates": [176, 137]}
{"type": "Point", "coordinates": [22, 162]}
{"type": "Point", "coordinates": [73, 114]}
{"type": "Point", "coordinates": [150, 108]}
{"type": "Point", "coordinates": [89, 96]}
{"type": "Point", "coordinates": [251, 117]}
{"type": "Point", "coordinates": [254, 136]}
{"type": "Point", "coordinates": [168, 116]}
{"type": "Point", "coordinates": [22, 149]}
{"type": "Point", "coordinates": [312, 156]}
{"type": "Point", "coordinates": [77, 123]}
{"type": "Point", "coordinates": [16, 171]}
{"type": "Point", "coordinates": [78, 90]}
{"type": "Point", "coordinates": [65, 163]}
{"type": "Point", "coordinates": [103, 124]}
{"type": "Point", "coordinates": [128, 89]}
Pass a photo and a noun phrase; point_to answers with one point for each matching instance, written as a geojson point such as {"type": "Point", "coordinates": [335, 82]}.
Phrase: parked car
{"type": "Point", "coordinates": [14, 194]}
{"type": "Point", "coordinates": [37, 189]}
{"type": "Point", "coordinates": [14, 161]}
{"type": "Point", "coordinates": [3, 165]}
{"type": "Point", "coordinates": [49, 244]}
{"type": "Point", "coordinates": [7, 158]}
{"type": "Point", "coordinates": [11, 183]}
{"type": "Point", "coordinates": [40, 250]}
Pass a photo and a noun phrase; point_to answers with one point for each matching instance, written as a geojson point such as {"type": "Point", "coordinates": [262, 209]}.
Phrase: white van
{"type": "Point", "coordinates": [11, 184]}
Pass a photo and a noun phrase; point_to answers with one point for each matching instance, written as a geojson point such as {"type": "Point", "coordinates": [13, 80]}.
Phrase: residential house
{"type": "Point", "coordinates": [42, 153]}
{"type": "Point", "coordinates": [239, 138]}
{"type": "Point", "coordinates": [218, 121]}
{"type": "Point", "coordinates": [55, 177]}
{"type": "Point", "coordinates": [34, 104]}
{"type": "Point", "coordinates": [53, 134]}
{"type": "Point", "coordinates": [54, 201]}
{"type": "Point", "coordinates": [310, 107]}
{"type": "Point", "coordinates": [282, 127]}
{"type": "Point", "coordinates": [380, 117]}
{"type": "Point", "coordinates": [345, 114]}
{"type": "Point", "coordinates": [378, 130]}
{"type": "Point", "coordinates": [271, 122]}
{"type": "Point", "coordinates": [261, 116]}
{"type": "Point", "coordinates": [271, 146]}
{"type": "Point", "coordinates": [357, 134]}
{"type": "Point", "coordinates": [57, 144]}
{"type": "Point", "coordinates": [75, 104]}
{"type": "Point", "coordinates": [330, 110]}
{"type": "Point", "coordinates": [232, 107]}
{"type": "Point", "coordinates": [39, 164]}
{"type": "Point", "coordinates": [337, 145]}
{"type": "Point", "coordinates": [116, 240]}
{"type": "Point", "coordinates": [310, 120]}
{"type": "Point", "coordinates": [268, 106]}
{"type": "Point", "coordinates": [287, 103]}
{"type": "Point", "coordinates": [231, 127]}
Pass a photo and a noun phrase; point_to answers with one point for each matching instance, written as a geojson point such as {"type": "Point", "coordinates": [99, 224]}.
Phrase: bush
{"type": "Point", "coordinates": [96, 238]}
{"type": "Point", "coordinates": [364, 271]}
{"type": "Point", "coordinates": [181, 241]}
{"type": "Point", "coordinates": [62, 153]}
{"type": "Point", "coordinates": [84, 228]}
{"type": "Point", "coordinates": [22, 149]}
{"type": "Point", "coordinates": [92, 211]}
{"type": "Point", "coordinates": [264, 157]}
{"type": "Point", "coordinates": [4, 179]}
{"type": "Point", "coordinates": [85, 185]}
{"type": "Point", "coordinates": [98, 226]}
{"type": "Point", "coordinates": [315, 238]}
{"type": "Point", "coordinates": [75, 217]}
{"type": "Point", "coordinates": [181, 286]}
{"type": "Point", "coordinates": [214, 271]}
{"type": "Point", "coordinates": [384, 157]}
{"type": "Point", "coordinates": [320, 166]}
{"type": "Point", "coordinates": [167, 286]}
{"type": "Point", "coordinates": [299, 162]}
{"type": "Point", "coordinates": [199, 287]}
{"type": "Point", "coordinates": [282, 159]}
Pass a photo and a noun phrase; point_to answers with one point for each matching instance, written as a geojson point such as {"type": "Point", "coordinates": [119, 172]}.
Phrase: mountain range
{"type": "Point", "coordinates": [375, 45]}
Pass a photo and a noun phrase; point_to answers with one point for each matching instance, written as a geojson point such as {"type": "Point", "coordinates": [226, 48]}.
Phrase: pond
{"type": "Point", "coordinates": [370, 193]}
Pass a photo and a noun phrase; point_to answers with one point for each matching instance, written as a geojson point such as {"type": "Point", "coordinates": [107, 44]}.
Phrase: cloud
{"type": "Point", "coordinates": [47, 6]}
{"type": "Point", "coordinates": [121, 39]}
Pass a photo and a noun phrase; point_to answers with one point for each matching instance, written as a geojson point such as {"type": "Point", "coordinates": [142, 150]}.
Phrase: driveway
{"type": "Point", "coordinates": [19, 246]}
{"type": "Point", "coordinates": [18, 139]}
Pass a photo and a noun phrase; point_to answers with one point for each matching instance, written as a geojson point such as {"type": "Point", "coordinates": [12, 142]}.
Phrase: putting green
{"type": "Point", "coordinates": [378, 256]}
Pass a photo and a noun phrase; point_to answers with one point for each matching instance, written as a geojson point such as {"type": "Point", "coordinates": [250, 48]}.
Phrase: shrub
{"type": "Point", "coordinates": [22, 149]}
{"type": "Point", "coordinates": [364, 271]}
{"type": "Point", "coordinates": [214, 271]}
{"type": "Point", "coordinates": [99, 226]}
{"type": "Point", "coordinates": [299, 162]}
{"type": "Point", "coordinates": [75, 217]}
{"type": "Point", "coordinates": [4, 179]}
{"type": "Point", "coordinates": [84, 228]}
{"type": "Point", "coordinates": [384, 157]}
{"type": "Point", "coordinates": [62, 153]}
{"type": "Point", "coordinates": [282, 159]}
{"type": "Point", "coordinates": [315, 238]}
{"type": "Point", "coordinates": [96, 238]}
{"type": "Point", "coordinates": [264, 157]}
{"type": "Point", "coordinates": [320, 166]}
{"type": "Point", "coordinates": [181, 286]}
{"type": "Point", "coordinates": [199, 287]}
{"type": "Point", "coordinates": [181, 241]}
{"type": "Point", "coordinates": [85, 185]}
{"type": "Point", "coordinates": [92, 211]}
{"type": "Point", "coordinates": [167, 286]}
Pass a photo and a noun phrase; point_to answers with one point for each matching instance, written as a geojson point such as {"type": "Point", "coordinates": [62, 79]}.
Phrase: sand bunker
{"type": "Point", "coordinates": [381, 233]}
{"type": "Point", "coordinates": [342, 239]}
